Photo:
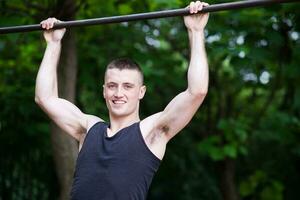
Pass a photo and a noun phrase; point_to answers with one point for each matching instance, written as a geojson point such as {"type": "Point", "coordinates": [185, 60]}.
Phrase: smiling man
{"type": "Point", "coordinates": [117, 160]}
{"type": "Point", "coordinates": [123, 89]}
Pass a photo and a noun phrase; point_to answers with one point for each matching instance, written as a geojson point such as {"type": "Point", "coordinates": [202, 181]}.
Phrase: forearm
{"type": "Point", "coordinates": [46, 81]}
{"type": "Point", "coordinates": [198, 67]}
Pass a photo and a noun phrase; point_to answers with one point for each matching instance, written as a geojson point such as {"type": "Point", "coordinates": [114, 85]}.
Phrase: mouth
{"type": "Point", "coordinates": [118, 102]}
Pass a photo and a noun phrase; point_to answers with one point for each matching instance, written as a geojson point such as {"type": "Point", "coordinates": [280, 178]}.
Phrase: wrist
{"type": "Point", "coordinates": [54, 43]}
{"type": "Point", "coordinates": [58, 42]}
{"type": "Point", "coordinates": [196, 31]}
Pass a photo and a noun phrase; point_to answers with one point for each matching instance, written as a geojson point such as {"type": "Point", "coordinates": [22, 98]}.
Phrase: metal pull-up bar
{"type": "Point", "coordinates": [143, 16]}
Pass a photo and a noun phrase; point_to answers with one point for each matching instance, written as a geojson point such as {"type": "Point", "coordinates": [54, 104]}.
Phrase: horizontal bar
{"type": "Point", "coordinates": [144, 16]}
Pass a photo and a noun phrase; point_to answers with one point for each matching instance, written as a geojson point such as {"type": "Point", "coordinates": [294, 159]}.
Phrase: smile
{"type": "Point", "coordinates": [118, 102]}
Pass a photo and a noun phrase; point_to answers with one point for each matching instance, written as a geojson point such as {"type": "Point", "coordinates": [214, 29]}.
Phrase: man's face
{"type": "Point", "coordinates": [123, 90]}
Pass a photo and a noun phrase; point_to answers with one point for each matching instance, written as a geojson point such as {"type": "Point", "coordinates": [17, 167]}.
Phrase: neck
{"type": "Point", "coordinates": [119, 122]}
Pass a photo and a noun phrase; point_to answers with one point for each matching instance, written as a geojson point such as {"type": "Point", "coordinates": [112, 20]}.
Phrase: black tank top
{"type": "Point", "coordinates": [120, 167]}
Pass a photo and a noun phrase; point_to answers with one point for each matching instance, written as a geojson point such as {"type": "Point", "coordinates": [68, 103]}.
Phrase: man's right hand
{"type": "Point", "coordinates": [196, 22]}
{"type": "Point", "coordinates": [50, 34]}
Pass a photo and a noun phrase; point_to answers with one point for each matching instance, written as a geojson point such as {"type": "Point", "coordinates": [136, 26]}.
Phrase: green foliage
{"type": "Point", "coordinates": [25, 150]}
{"type": "Point", "coordinates": [251, 114]}
{"type": "Point", "coordinates": [260, 186]}
{"type": "Point", "coordinates": [230, 144]}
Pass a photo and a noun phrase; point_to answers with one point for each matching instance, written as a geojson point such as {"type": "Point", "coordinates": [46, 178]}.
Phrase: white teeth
{"type": "Point", "coordinates": [119, 102]}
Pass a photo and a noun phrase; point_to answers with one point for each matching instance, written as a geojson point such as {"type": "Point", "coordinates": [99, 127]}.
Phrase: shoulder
{"type": "Point", "coordinates": [151, 129]}
{"type": "Point", "coordinates": [149, 123]}
{"type": "Point", "coordinates": [90, 121]}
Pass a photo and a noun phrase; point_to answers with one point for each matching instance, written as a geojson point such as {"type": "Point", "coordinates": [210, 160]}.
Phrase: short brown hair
{"type": "Point", "coordinates": [125, 63]}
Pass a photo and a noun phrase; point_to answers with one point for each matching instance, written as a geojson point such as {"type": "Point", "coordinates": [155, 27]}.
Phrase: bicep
{"type": "Point", "coordinates": [178, 113]}
{"type": "Point", "coordinates": [66, 115]}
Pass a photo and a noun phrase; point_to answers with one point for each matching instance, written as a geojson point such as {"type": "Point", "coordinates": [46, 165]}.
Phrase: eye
{"type": "Point", "coordinates": [111, 86]}
{"type": "Point", "coordinates": [128, 86]}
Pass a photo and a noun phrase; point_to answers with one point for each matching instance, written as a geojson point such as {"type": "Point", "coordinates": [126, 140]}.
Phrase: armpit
{"type": "Point", "coordinates": [157, 135]}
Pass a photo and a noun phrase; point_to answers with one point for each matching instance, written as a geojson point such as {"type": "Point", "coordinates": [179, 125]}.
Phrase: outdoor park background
{"type": "Point", "coordinates": [243, 142]}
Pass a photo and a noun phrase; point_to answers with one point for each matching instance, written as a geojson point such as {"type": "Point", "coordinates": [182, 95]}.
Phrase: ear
{"type": "Point", "coordinates": [103, 91]}
{"type": "Point", "coordinates": [142, 92]}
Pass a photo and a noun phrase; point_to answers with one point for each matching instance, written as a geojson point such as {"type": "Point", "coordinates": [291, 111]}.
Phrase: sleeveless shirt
{"type": "Point", "coordinates": [120, 167]}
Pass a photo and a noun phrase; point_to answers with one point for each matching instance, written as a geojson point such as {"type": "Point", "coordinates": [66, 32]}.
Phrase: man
{"type": "Point", "coordinates": [118, 160]}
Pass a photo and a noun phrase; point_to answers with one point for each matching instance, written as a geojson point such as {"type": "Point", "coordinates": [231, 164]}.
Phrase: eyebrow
{"type": "Point", "coordinates": [126, 83]}
{"type": "Point", "coordinates": [110, 83]}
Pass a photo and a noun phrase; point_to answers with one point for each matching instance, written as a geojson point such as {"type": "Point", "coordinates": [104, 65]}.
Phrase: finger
{"type": "Point", "coordinates": [47, 24]}
{"type": "Point", "coordinates": [43, 24]}
{"type": "Point", "coordinates": [53, 21]}
{"type": "Point", "coordinates": [47, 21]}
{"type": "Point", "coordinates": [192, 5]}
{"type": "Point", "coordinates": [196, 6]}
{"type": "Point", "coordinates": [199, 7]}
{"type": "Point", "coordinates": [197, 3]}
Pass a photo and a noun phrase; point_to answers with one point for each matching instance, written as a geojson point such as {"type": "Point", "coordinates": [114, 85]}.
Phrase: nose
{"type": "Point", "coordinates": [118, 92]}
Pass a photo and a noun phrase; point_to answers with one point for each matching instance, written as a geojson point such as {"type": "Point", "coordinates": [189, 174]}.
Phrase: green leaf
{"type": "Point", "coordinates": [230, 151]}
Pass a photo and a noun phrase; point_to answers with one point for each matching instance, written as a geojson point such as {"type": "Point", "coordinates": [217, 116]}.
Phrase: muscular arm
{"type": "Point", "coordinates": [181, 109]}
{"type": "Point", "coordinates": [66, 115]}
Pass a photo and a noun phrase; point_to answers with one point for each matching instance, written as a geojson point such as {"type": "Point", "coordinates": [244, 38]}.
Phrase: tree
{"type": "Point", "coordinates": [243, 142]}
{"type": "Point", "coordinates": [65, 149]}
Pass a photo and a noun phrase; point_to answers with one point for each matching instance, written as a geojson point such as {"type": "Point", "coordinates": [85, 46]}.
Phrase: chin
{"type": "Point", "coordinates": [120, 112]}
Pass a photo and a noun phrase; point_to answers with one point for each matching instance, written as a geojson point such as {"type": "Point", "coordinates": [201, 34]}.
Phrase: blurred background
{"type": "Point", "coordinates": [243, 143]}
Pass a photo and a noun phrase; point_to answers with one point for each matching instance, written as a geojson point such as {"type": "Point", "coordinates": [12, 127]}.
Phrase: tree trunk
{"type": "Point", "coordinates": [227, 179]}
{"type": "Point", "coordinates": [65, 148]}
